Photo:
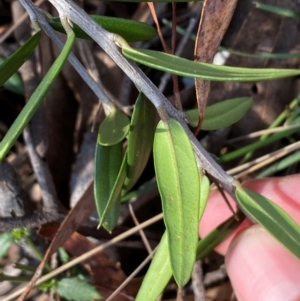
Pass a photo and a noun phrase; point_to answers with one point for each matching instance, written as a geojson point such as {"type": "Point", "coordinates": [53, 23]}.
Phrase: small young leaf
{"type": "Point", "coordinates": [36, 98]}
{"type": "Point", "coordinates": [273, 218]}
{"type": "Point", "coordinates": [183, 67]}
{"type": "Point", "coordinates": [114, 128]}
{"type": "Point", "coordinates": [6, 239]}
{"type": "Point", "coordinates": [110, 174]}
{"type": "Point", "coordinates": [17, 59]}
{"type": "Point", "coordinates": [76, 289]}
{"type": "Point", "coordinates": [222, 114]}
{"type": "Point", "coordinates": [140, 139]}
{"type": "Point", "coordinates": [178, 182]}
{"type": "Point", "coordinates": [130, 30]}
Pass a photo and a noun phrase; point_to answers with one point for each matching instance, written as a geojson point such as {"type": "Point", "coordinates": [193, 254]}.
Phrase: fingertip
{"type": "Point", "coordinates": [283, 191]}
{"type": "Point", "coordinates": [261, 269]}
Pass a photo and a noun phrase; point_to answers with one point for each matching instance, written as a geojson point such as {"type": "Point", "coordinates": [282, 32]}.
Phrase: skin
{"type": "Point", "coordinates": [258, 266]}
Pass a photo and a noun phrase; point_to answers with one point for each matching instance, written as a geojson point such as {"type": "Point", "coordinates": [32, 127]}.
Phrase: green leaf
{"type": "Point", "coordinates": [273, 218]}
{"type": "Point", "coordinates": [256, 145]}
{"type": "Point", "coordinates": [14, 83]}
{"type": "Point", "coordinates": [222, 114]}
{"type": "Point", "coordinates": [35, 100]}
{"type": "Point", "coordinates": [140, 139]}
{"type": "Point", "coordinates": [204, 194]}
{"type": "Point", "coordinates": [279, 165]}
{"type": "Point", "coordinates": [178, 182]}
{"type": "Point", "coordinates": [158, 274]}
{"type": "Point", "coordinates": [110, 173]}
{"type": "Point", "coordinates": [160, 271]}
{"type": "Point", "coordinates": [183, 67]}
{"type": "Point", "coordinates": [6, 239]}
{"type": "Point", "coordinates": [277, 10]}
{"type": "Point", "coordinates": [114, 128]}
{"type": "Point", "coordinates": [130, 30]}
{"type": "Point", "coordinates": [17, 59]}
{"type": "Point", "coordinates": [76, 289]}
{"type": "Point", "coordinates": [110, 214]}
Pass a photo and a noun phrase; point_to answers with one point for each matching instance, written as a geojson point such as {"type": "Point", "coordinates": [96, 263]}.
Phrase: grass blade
{"type": "Point", "coordinates": [277, 10]}
{"type": "Point", "coordinates": [35, 100]}
{"type": "Point", "coordinates": [256, 145]}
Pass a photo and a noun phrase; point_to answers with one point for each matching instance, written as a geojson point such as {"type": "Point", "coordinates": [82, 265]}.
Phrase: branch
{"type": "Point", "coordinates": [107, 41]}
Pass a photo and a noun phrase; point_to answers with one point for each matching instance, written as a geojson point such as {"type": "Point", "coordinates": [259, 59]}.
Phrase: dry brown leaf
{"type": "Point", "coordinates": [215, 18]}
{"type": "Point", "coordinates": [107, 276]}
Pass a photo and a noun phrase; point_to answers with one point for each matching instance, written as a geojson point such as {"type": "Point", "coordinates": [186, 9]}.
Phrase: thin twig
{"type": "Point", "coordinates": [142, 233]}
{"type": "Point", "coordinates": [197, 282]}
{"type": "Point", "coordinates": [43, 175]}
{"type": "Point", "coordinates": [264, 160]}
{"type": "Point", "coordinates": [132, 275]}
{"type": "Point", "coordinates": [90, 65]}
{"type": "Point", "coordinates": [17, 24]}
{"type": "Point", "coordinates": [263, 132]}
{"type": "Point", "coordinates": [42, 21]}
{"type": "Point", "coordinates": [164, 79]}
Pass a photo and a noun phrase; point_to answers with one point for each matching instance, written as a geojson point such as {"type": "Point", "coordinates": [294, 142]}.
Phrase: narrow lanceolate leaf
{"type": "Point", "coordinates": [108, 182]}
{"type": "Point", "coordinates": [273, 218]}
{"type": "Point", "coordinates": [160, 272]}
{"type": "Point", "coordinates": [17, 59]}
{"type": "Point", "coordinates": [36, 98]}
{"type": "Point", "coordinates": [111, 211]}
{"type": "Point", "coordinates": [114, 128]}
{"type": "Point", "coordinates": [183, 67]}
{"type": "Point", "coordinates": [14, 83]}
{"type": "Point", "coordinates": [130, 30]}
{"type": "Point", "coordinates": [140, 139]}
{"type": "Point", "coordinates": [178, 181]}
{"type": "Point", "coordinates": [222, 114]}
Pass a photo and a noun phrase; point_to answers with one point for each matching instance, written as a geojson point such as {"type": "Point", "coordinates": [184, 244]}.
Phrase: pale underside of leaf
{"type": "Point", "coordinates": [272, 217]}
{"type": "Point", "coordinates": [179, 185]}
{"type": "Point", "coordinates": [183, 67]}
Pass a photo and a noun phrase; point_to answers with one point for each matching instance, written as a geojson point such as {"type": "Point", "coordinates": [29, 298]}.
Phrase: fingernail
{"type": "Point", "coordinates": [261, 269]}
